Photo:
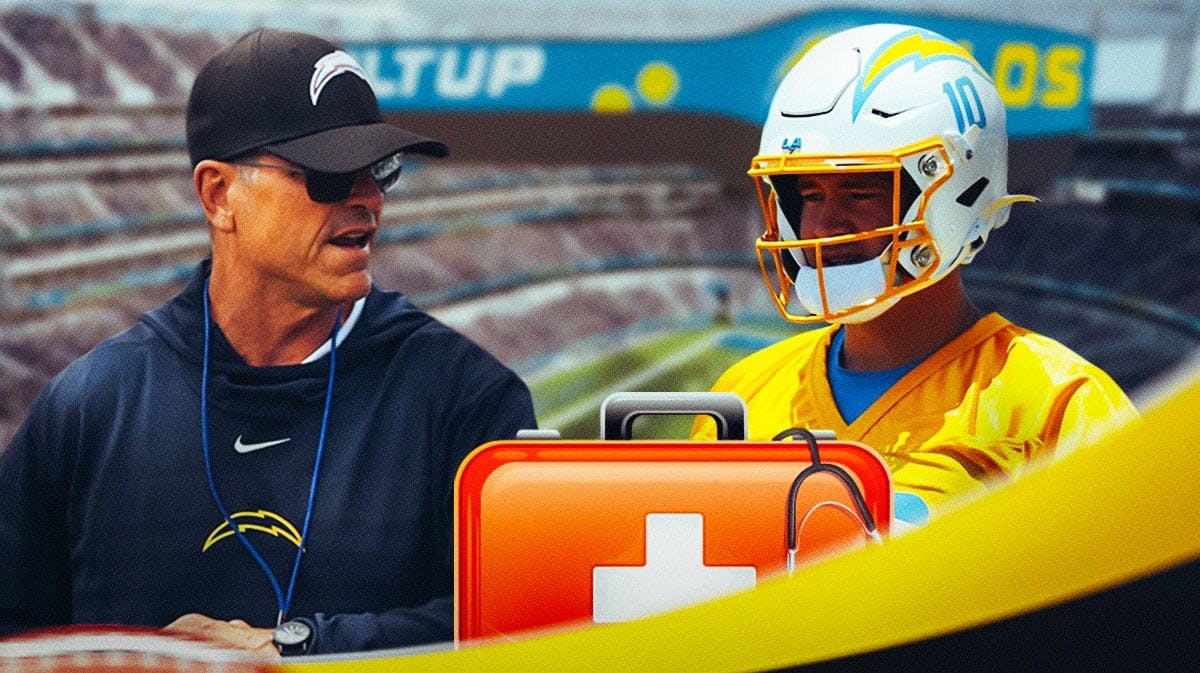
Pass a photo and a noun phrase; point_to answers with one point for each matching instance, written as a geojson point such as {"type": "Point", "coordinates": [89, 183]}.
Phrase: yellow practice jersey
{"type": "Point", "coordinates": [982, 409]}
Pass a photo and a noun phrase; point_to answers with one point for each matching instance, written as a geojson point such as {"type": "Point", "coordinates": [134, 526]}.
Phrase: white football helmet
{"type": "Point", "coordinates": [880, 99]}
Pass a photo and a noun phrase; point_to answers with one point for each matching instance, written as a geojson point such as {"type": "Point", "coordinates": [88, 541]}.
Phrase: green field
{"type": "Point", "coordinates": [689, 360]}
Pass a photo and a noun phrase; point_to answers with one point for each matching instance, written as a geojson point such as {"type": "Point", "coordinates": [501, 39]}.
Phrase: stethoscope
{"type": "Point", "coordinates": [863, 517]}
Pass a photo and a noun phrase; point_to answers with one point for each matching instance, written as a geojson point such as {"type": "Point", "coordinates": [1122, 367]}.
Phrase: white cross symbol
{"type": "Point", "coordinates": [674, 575]}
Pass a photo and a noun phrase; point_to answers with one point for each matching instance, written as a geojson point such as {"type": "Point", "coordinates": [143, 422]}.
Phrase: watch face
{"type": "Point", "coordinates": [291, 633]}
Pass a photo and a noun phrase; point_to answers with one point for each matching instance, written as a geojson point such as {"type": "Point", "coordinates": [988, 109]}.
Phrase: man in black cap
{"type": "Point", "coordinates": [269, 458]}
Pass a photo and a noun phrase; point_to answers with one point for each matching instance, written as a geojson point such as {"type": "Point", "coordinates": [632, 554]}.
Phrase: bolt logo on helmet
{"type": "Point", "coordinates": [877, 115]}
{"type": "Point", "coordinates": [920, 47]}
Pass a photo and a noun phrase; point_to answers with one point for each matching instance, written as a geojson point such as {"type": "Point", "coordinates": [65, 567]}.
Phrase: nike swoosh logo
{"type": "Point", "coordinates": [247, 448]}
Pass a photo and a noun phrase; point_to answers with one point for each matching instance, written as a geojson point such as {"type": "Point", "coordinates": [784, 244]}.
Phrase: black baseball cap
{"type": "Point", "coordinates": [298, 97]}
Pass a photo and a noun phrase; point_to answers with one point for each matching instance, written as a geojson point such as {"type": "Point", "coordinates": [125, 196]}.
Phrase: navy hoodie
{"type": "Point", "coordinates": [106, 514]}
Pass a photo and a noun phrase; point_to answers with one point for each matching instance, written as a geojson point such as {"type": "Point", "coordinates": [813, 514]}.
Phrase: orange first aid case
{"type": "Point", "coordinates": [557, 532]}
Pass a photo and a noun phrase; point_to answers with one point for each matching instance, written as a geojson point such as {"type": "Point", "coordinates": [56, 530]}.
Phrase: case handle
{"type": "Point", "coordinates": [620, 409]}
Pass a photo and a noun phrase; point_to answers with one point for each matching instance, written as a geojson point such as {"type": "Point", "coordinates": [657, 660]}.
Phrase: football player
{"type": "Point", "coordinates": [881, 171]}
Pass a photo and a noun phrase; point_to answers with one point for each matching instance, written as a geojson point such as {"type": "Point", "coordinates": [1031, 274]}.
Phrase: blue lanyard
{"type": "Point", "coordinates": [284, 602]}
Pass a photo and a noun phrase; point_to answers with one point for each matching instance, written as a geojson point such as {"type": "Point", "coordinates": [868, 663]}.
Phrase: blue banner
{"type": "Point", "coordinates": [1043, 76]}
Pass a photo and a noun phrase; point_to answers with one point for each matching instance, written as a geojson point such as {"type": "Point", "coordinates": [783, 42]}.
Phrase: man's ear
{"type": "Point", "coordinates": [213, 180]}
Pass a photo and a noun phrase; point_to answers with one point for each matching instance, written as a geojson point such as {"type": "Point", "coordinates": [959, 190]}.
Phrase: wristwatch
{"type": "Point", "coordinates": [292, 637]}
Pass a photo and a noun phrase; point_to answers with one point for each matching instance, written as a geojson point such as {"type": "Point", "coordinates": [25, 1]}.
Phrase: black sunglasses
{"type": "Point", "coordinates": [333, 187]}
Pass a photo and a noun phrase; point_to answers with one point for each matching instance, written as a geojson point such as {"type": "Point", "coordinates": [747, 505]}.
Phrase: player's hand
{"type": "Point", "coordinates": [233, 633]}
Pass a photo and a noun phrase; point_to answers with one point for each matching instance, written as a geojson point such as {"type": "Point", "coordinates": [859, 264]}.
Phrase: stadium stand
{"type": "Point", "coordinates": [98, 223]}
{"type": "Point", "coordinates": [1102, 264]}
{"type": "Point", "coordinates": [527, 325]}
{"type": "Point", "coordinates": [11, 72]}
{"type": "Point", "coordinates": [93, 239]}
{"type": "Point", "coordinates": [192, 49]}
{"type": "Point", "coordinates": [53, 43]}
{"type": "Point", "coordinates": [148, 62]}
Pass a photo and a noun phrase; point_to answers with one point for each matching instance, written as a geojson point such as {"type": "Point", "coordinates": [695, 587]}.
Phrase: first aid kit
{"type": "Point", "coordinates": [553, 533]}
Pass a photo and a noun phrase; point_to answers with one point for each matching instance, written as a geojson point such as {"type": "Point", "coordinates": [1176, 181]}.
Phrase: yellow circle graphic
{"type": "Point", "coordinates": [612, 98]}
{"type": "Point", "coordinates": [658, 83]}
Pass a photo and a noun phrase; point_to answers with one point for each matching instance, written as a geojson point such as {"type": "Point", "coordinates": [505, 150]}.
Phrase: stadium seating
{"type": "Point", "coordinates": [527, 323]}
{"type": "Point", "coordinates": [1102, 263]}
{"type": "Point", "coordinates": [192, 49]}
{"type": "Point", "coordinates": [11, 72]}
{"type": "Point", "coordinates": [135, 52]}
{"type": "Point", "coordinates": [56, 47]}
{"type": "Point", "coordinates": [98, 223]}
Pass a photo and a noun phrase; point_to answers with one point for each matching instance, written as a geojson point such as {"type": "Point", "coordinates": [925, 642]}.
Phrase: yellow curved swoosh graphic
{"type": "Point", "coordinates": [1104, 515]}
